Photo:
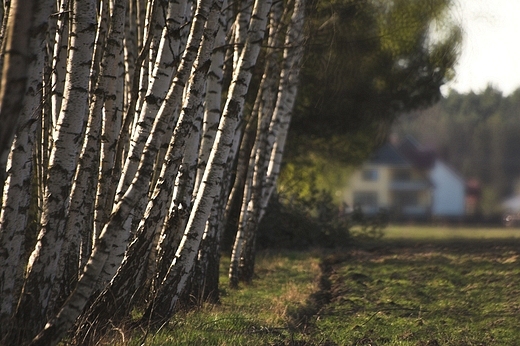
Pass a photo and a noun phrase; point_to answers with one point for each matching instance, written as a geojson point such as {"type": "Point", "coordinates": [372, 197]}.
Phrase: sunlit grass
{"type": "Point", "coordinates": [417, 286]}
{"type": "Point", "coordinates": [448, 232]}
{"type": "Point", "coordinates": [426, 296]}
{"type": "Point", "coordinates": [255, 314]}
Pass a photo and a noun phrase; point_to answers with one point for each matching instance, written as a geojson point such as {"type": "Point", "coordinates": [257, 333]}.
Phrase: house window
{"type": "Point", "coordinates": [407, 198]}
{"type": "Point", "coordinates": [402, 175]}
{"type": "Point", "coordinates": [365, 199]}
{"type": "Point", "coordinates": [369, 174]}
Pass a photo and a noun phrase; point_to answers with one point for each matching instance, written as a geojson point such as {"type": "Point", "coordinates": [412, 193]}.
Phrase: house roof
{"type": "Point", "coordinates": [388, 155]}
{"type": "Point", "coordinates": [420, 157]}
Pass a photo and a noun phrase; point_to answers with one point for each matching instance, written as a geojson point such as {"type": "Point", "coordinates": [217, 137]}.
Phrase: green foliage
{"type": "Point", "coordinates": [302, 215]}
{"type": "Point", "coordinates": [366, 62]}
{"type": "Point", "coordinates": [365, 228]}
{"type": "Point", "coordinates": [303, 223]}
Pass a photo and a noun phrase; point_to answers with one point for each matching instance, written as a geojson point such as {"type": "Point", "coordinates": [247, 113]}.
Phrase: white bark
{"type": "Point", "coordinates": [145, 18]}
{"type": "Point", "coordinates": [130, 47]}
{"type": "Point", "coordinates": [213, 100]}
{"type": "Point", "coordinates": [16, 199]}
{"type": "Point", "coordinates": [79, 219]}
{"type": "Point", "coordinates": [254, 207]}
{"type": "Point", "coordinates": [66, 146]}
{"type": "Point", "coordinates": [111, 127]}
{"type": "Point", "coordinates": [165, 116]}
{"type": "Point", "coordinates": [185, 135]}
{"type": "Point", "coordinates": [180, 270]}
{"type": "Point", "coordinates": [158, 83]}
{"type": "Point", "coordinates": [59, 59]}
{"type": "Point", "coordinates": [255, 174]}
{"type": "Point", "coordinates": [241, 26]}
{"type": "Point", "coordinates": [287, 92]}
{"type": "Point", "coordinates": [107, 254]}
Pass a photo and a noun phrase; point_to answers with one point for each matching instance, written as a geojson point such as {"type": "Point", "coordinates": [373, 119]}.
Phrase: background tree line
{"type": "Point", "coordinates": [476, 133]}
{"type": "Point", "coordinates": [138, 130]}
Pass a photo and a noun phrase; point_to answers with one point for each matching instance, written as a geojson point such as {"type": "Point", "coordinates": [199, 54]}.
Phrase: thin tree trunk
{"type": "Point", "coordinates": [14, 73]}
{"type": "Point", "coordinates": [129, 279]}
{"type": "Point", "coordinates": [212, 110]}
{"type": "Point", "coordinates": [165, 116]}
{"type": "Point", "coordinates": [108, 252]}
{"type": "Point", "coordinates": [287, 93]}
{"type": "Point", "coordinates": [158, 83]}
{"type": "Point", "coordinates": [209, 254]}
{"type": "Point", "coordinates": [79, 219]}
{"type": "Point", "coordinates": [253, 160]}
{"type": "Point", "coordinates": [174, 284]}
{"type": "Point", "coordinates": [263, 180]}
{"type": "Point", "coordinates": [14, 218]}
{"type": "Point", "coordinates": [104, 204]}
{"type": "Point", "coordinates": [59, 59]}
{"type": "Point", "coordinates": [42, 267]}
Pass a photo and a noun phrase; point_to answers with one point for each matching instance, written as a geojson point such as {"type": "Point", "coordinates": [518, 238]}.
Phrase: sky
{"type": "Point", "coordinates": [491, 45]}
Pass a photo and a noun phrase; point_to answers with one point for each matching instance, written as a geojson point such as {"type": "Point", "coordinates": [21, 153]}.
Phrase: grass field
{"type": "Point", "coordinates": [417, 286]}
{"type": "Point", "coordinates": [449, 232]}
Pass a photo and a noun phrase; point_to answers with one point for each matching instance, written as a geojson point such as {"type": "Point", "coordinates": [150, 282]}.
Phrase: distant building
{"type": "Point", "coordinates": [407, 181]}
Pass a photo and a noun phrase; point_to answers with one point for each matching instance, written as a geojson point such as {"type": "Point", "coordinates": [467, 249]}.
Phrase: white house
{"type": "Point", "coordinates": [449, 191]}
{"type": "Point", "coordinates": [408, 181]}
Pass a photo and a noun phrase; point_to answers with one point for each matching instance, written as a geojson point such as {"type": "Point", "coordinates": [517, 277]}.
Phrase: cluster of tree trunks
{"type": "Point", "coordinates": [126, 130]}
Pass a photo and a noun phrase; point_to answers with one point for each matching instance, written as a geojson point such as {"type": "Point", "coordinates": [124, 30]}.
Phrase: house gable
{"type": "Point", "coordinates": [449, 192]}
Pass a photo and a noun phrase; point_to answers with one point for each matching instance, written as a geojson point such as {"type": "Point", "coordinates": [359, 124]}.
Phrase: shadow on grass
{"type": "Point", "coordinates": [419, 292]}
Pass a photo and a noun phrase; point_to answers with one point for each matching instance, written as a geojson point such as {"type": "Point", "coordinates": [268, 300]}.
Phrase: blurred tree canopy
{"type": "Point", "coordinates": [477, 134]}
{"type": "Point", "coordinates": [367, 61]}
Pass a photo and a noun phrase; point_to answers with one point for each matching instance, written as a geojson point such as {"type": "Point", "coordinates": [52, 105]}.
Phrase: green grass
{"type": "Point", "coordinates": [423, 232]}
{"type": "Point", "coordinates": [417, 286]}
{"type": "Point", "coordinates": [464, 294]}
{"type": "Point", "coordinates": [255, 314]}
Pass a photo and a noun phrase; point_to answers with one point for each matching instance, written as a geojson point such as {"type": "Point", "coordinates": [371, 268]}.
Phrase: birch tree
{"type": "Point", "coordinates": [174, 283]}
{"type": "Point", "coordinates": [14, 218]}
{"type": "Point", "coordinates": [263, 168]}
{"type": "Point", "coordinates": [14, 73]}
{"type": "Point", "coordinates": [129, 278]}
{"type": "Point", "coordinates": [66, 143]}
{"type": "Point", "coordinates": [135, 136]}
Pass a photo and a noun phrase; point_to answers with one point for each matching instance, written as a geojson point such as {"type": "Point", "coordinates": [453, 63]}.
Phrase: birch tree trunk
{"type": "Point", "coordinates": [263, 179]}
{"type": "Point", "coordinates": [42, 266]}
{"type": "Point", "coordinates": [100, 254]}
{"type": "Point", "coordinates": [109, 250]}
{"type": "Point", "coordinates": [174, 284]}
{"type": "Point", "coordinates": [128, 281]}
{"type": "Point", "coordinates": [158, 83]}
{"type": "Point", "coordinates": [140, 185]}
{"type": "Point", "coordinates": [59, 61]}
{"type": "Point", "coordinates": [251, 160]}
{"type": "Point", "coordinates": [16, 201]}
{"type": "Point", "coordinates": [209, 254]}
{"type": "Point", "coordinates": [212, 109]}
{"type": "Point", "coordinates": [287, 93]}
{"type": "Point", "coordinates": [78, 227]}
{"type": "Point", "coordinates": [14, 72]}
